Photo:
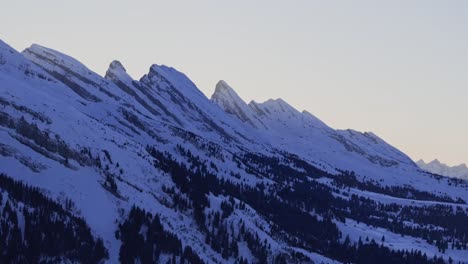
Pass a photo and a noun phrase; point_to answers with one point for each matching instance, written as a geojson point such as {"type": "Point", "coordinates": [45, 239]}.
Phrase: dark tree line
{"type": "Point", "coordinates": [144, 239]}
{"type": "Point", "coordinates": [348, 179]}
{"type": "Point", "coordinates": [286, 206]}
{"type": "Point", "coordinates": [49, 230]}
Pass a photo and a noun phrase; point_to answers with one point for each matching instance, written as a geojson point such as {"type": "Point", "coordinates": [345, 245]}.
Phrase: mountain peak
{"type": "Point", "coordinates": [117, 65]}
{"type": "Point", "coordinates": [225, 92]}
{"type": "Point", "coordinates": [51, 54]}
{"type": "Point", "coordinates": [52, 60]}
{"type": "Point", "coordinates": [223, 86]}
{"type": "Point", "coordinates": [278, 106]}
{"type": "Point", "coordinates": [116, 71]}
{"type": "Point", "coordinates": [226, 98]}
{"type": "Point", "coordinates": [171, 78]}
{"type": "Point", "coordinates": [37, 47]}
{"type": "Point", "coordinates": [11, 60]}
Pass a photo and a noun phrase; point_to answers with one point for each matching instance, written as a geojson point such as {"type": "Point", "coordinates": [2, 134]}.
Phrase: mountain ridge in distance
{"type": "Point", "coordinates": [437, 167]}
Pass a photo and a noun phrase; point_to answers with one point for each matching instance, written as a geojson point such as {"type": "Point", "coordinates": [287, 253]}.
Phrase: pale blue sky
{"type": "Point", "coordinates": [397, 68]}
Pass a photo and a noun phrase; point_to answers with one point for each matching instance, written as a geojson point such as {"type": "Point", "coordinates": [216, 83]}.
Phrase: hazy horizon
{"type": "Point", "coordinates": [396, 69]}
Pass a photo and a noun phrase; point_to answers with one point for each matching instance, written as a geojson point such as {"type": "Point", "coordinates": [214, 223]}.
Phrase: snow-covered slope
{"type": "Point", "coordinates": [307, 136]}
{"type": "Point", "coordinates": [220, 181]}
{"type": "Point", "coordinates": [437, 167]}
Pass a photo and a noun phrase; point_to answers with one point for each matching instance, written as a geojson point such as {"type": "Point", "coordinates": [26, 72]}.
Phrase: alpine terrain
{"type": "Point", "coordinates": [437, 167]}
{"type": "Point", "coordinates": [109, 169]}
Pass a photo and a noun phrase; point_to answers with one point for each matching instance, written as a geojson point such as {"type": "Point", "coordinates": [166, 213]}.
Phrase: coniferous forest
{"type": "Point", "coordinates": [36, 229]}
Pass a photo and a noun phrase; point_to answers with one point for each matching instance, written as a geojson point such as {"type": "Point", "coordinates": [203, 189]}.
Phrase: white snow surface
{"type": "Point", "coordinates": [165, 101]}
{"type": "Point", "coordinates": [437, 167]}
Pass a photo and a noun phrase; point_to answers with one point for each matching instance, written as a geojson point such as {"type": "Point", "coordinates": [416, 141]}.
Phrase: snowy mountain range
{"type": "Point", "coordinates": [151, 170]}
{"type": "Point", "coordinates": [436, 167]}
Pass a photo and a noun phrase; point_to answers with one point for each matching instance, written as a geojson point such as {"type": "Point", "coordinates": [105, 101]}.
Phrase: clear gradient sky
{"type": "Point", "coordinates": [397, 68]}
